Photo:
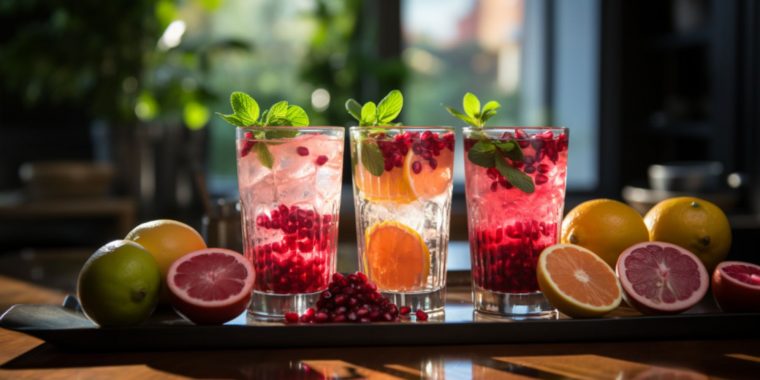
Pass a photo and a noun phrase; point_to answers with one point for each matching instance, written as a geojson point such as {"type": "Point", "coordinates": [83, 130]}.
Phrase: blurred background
{"type": "Point", "coordinates": [107, 108]}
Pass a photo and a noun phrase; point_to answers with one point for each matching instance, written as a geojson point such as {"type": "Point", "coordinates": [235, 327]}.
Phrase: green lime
{"type": "Point", "coordinates": [119, 284]}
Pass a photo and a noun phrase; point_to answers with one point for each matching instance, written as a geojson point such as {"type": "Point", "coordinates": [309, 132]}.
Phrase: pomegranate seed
{"type": "Point", "coordinates": [339, 318]}
{"type": "Point", "coordinates": [541, 179]}
{"type": "Point", "coordinates": [494, 186]}
{"type": "Point", "coordinates": [530, 169]}
{"type": "Point", "coordinates": [302, 151]}
{"type": "Point", "coordinates": [421, 315]}
{"type": "Point", "coordinates": [433, 163]}
{"type": "Point", "coordinates": [405, 310]}
{"type": "Point", "coordinates": [321, 160]}
{"type": "Point", "coordinates": [321, 317]}
{"type": "Point", "coordinates": [492, 173]}
{"type": "Point", "coordinates": [291, 317]}
{"type": "Point", "coordinates": [416, 167]}
{"type": "Point", "coordinates": [543, 168]}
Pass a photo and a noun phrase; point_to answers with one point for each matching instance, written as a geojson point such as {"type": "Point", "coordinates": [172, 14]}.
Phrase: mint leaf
{"type": "Point", "coordinates": [491, 106]}
{"type": "Point", "coordinates": [483, 153]}
{"type": "Point", "coordinates": [369, 114]}
{"type": "Point", "coordinates": [297, 116]}
{"type": "Point", "coordinates": [281, 134]}
{"type": "Point", "coordinates": [505, 146]}
{"type": "Point", "coordinates": [245, 107]}
{"type": "Point", "coordinates": [278, 113]}
{"type": "Point", "coordinates": [514, 154]}
{"type": "Point", "coordinates": [517, 178]}
{"type": "Point", "coordinates": [390, 107]}
{"type": "Point", "coordinates": [471, 105]}
{"type": "Point", "coordinates": [462, 117]}
{"type": "Point", "coordinates": [372, 158]}
{"type": "Point", "coordinates": [265, 157]}
{"type": "Point", "coordinates": [354, 109]}
{"type": "Point", "coordinates": [233, 119]}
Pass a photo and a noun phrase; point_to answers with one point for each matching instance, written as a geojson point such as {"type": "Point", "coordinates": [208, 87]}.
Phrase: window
{"type": "Point", "coordinates": [538, 58]}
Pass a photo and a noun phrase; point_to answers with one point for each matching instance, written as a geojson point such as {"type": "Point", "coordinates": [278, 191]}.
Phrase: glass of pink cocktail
{"type": "Point", "coordinates": [290, 198]}
{"type": "Point", "coordinates": [509, 226]}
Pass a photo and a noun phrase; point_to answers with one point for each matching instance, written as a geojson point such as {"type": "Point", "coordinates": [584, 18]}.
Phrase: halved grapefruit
{"type": "Point", "coordinates": [661, 278]}
{"type": "Point", "coordinates": [577, 281]}
{"type": "Point", "coordinates": [210, 286]}
{"type": "Point", "coordinates": [736, 286]}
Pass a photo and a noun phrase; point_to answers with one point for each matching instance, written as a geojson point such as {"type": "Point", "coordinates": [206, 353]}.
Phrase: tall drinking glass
{"type": "Point", "coordinates": [402, 193]}
{"type": "Point", "coordinates": [290, 200]}
{"type": "Point", "coordinates": [508, 228]}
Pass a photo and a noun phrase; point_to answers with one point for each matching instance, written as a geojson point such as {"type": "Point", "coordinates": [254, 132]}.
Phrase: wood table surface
{"type": "Point", "coordinates": [24, 357]}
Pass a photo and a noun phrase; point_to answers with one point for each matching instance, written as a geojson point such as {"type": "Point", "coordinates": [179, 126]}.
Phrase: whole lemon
{"type": "Point", "coordinates": [604, 226]}
{"type": "Point", "coordinates": [119, 284]}
{"type": "Point", "coordinates": [694, 224]}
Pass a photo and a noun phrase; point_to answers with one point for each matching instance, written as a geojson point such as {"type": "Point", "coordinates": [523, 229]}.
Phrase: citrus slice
{"type": "Point", "coordinates": [210, 286]}
{"type": "Point", "coordinates": [425, 181]}
{"type": "Point", "coordinates": [391, 186]}
{"type": "Point", "coordinates": [577, 281]}
{"type": "Point", "coordinates": [396, 257]}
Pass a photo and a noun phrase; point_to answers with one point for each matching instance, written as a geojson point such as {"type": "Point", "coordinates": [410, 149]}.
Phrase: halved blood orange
{"type": "Point", "coordinates": [396, 258]}
{"type": "Point", "coordinates": [210, 286]}
{"type": "Point", "coordinates": [736, 286]}
{"type": "Point", "coordinates": [391, 186]}
{"type": "Point", "coordinates": [426, 180]}
{"type": "Point", "coordinates": [577, 281]}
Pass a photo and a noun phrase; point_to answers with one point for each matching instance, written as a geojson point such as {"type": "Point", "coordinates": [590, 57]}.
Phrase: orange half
{"type": "Point", "coordinates": [396, 257]}
{"type": "Point", "coordinates": [429, 182]}
{"type": "Point", "coordinates": [577, 281]}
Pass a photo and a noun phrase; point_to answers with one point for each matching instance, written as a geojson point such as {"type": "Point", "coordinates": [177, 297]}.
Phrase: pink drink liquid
{"type": "Point", "coordinates": [509, 228]}
{"type": "Point", "coordinates": [290, 212]}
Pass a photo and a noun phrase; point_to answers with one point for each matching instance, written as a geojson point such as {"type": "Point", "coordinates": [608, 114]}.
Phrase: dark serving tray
{"type": "Point", "coordinates": [67, 328]}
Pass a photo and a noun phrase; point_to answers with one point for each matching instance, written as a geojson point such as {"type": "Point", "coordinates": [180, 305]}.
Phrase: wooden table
{"type": "Point", "coordinates": [23, 357]}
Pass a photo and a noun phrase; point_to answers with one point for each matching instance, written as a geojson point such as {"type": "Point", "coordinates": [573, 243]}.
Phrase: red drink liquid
{"type": "Point", "coordinates": [509, 228]}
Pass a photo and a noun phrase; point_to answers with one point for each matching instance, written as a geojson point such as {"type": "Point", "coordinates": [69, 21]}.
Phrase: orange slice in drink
{"type": "Point", "coordinates": [577, 281]}
{"type": "Point", "coordinates": [396, 257]}
{"type": "Point", "coordinates": [391, 186]}
{"type": "Point", "coordinates": [426, 181]}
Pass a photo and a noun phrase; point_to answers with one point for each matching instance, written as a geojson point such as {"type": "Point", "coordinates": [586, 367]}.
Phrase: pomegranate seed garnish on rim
{"type": "Point", "coordinates": [354, 299]}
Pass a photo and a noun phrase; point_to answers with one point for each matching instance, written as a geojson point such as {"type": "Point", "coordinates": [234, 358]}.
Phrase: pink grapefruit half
{"type": "Point", "coordinates": [210, 286]}
{"type": "Point", "coordinates": [736, 286]}
{"type": "Point", "coordinates": [661, 278]}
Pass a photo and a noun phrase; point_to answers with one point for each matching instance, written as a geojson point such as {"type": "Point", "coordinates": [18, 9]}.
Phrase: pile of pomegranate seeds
{"type": "Point", "coordinates": [299, 263]}
{"type": "Point", "coordinates": [428, 145]}
{"type": "Point", "coordinates": [352, 299]}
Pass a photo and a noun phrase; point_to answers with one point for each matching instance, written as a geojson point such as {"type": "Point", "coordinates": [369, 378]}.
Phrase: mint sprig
{"type": "Point", "coordinates": [378, 116]}
{"type": "Point", "coordinates": [491, 153]}
{"type": "Point", "coordinates": [245, 113]}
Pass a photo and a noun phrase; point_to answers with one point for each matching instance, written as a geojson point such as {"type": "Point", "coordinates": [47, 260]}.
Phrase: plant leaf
{"type": "Point", "coordinates": [483, 153]}
{"type": "Point", "coordinates": [354, 109]}
{"type": "Point", "coordinates": [471, 105]}
{"type": "Point", "coordinates": [281, 134]}
{"type": "Point", "coordinates": [233, 119]}
{"type": "Point", "coordinates": [462, 117]}
{"type": "Point", "coordinates": [297, 116]}
{"type": "Point", "coordinates": [517, 178]}
{"type": "Point", "coordinates": [265, 157]}
{"type": "Point", "coordinates": [390, 107]}
{"type": "Point", "coordinates": [505, 146]}
{"type": "Point", "coordinates": [245, 107]}
{"type": "Point", "coordinates": [369, 114]}
{"type": "Point", "coordinates": [278, 110]}
{"type": "Point", "coordinates": [514, 154]}
{"type": "Point", "coordinates": [491, 106]}
{"type": "Point", "coordinates": [372, 158]}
